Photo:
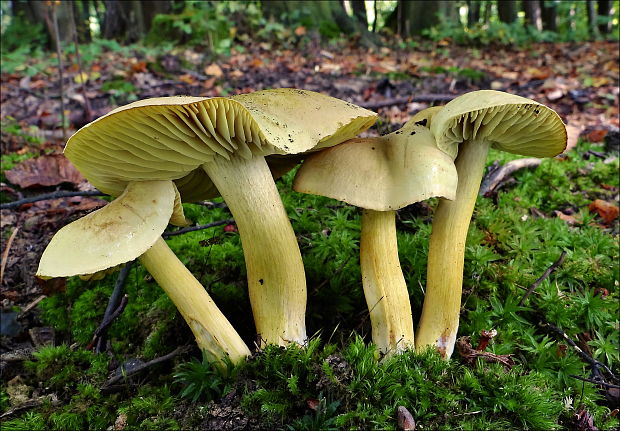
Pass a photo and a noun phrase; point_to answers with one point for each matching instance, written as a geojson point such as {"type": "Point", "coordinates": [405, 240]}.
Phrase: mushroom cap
{"type": "Point", "coordinates": [510, 123]}
{"type": "Point", "coordinates": [117, 233]}
{"type": "Point", "coordinates": [169, 138]}
{"type": "Point", "coordinates": [382, 174]}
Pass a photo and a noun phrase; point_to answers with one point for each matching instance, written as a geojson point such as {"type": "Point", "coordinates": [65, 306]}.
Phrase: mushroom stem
{"type": "Point", "coordinates": [384, 285]}
{"type": "Point", "coordinates": [214, 333]}
{"type": "Point", "coordinates": [440, 313]}
{"type": "Point", "coordinates": [276, 278]}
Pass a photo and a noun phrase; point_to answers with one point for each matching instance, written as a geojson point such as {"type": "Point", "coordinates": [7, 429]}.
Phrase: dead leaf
{"type": "Point", "coordinates": [597, 135]}
{"type": "Point", "coordinates": [606, 210]}
{"type": "Point", "coordinates": [570, 219]}
{"type": "Point", "coordinates": [48, 170]}
{"type": "Point", "coordinates": [555, 94]}
{"type": "Point", "coordinates": [572, 133]}
{"type": "Point", "coordinates": [214, 70]}
{"type": "Point", "coordinates": [469, 354]}
{"type": "Point", "coordinates": [300, 31]}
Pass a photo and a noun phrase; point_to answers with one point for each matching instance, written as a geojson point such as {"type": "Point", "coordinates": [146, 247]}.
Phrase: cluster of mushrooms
{"type": "Point", "coordinates": [153, 154]}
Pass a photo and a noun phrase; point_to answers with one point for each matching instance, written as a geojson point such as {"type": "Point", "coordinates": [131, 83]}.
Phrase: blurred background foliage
{"type": "Point", "coordinates": [216, 26]}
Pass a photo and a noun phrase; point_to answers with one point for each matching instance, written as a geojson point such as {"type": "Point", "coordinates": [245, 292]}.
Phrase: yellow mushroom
{"type": "Point", "coordinates": [130, 227]}
{"type": "Point", "coordinates": [468, 126]}
{"type": "Point", "coordinates": [219, 146]}
{"type": "Point", "coordinates": [382, 175]}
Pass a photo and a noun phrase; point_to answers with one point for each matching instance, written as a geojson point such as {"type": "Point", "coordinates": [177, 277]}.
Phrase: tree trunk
{"type": "Point", "coordinates": [152, 8]}
{"type": "Point", "coordinates": [604, 10]}
{"type": "Point", "coordinates": [81, 16]}
{"type": "Point", "coordinates": [507, 11]}
{"type": "Point", "coordinates": [359, 12]}
{"type": "Point", "coordinates": [549, 12]}
{"type": "Point", "coordinates": [592, 28]}
{"type": "Point", "coordinates": [123, 20]}
{"type": "Point", "coordinates": [323, 13]}
{"type": "Point", "coordinates": [473, 12]}
{"type": "Point", "coordinates": [532, 13]}
{"type": "Point", "coordinates": [42, 12]}
{"type": "Point", "coordinates": [412, 17]}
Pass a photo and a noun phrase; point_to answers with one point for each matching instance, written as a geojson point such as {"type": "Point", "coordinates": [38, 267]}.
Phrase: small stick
{"type": "Point", "coordinates": [54, 195]}
{"type": "Point", "coordinates": [59, 54]}
{"type": "Point", "coordinates": [546, 274]}
{"type": "Point", "coordinates": [104, 325]}
{"type": "Point", "coordinates": [404, 100]}
{"type": "Point", "coordinates": [212, 205]}
{"type": "Point", "coordinates": [112, 303]}
{"type": "Point", "coordinates": [590, 360]}
{"type": "Point", "coordinates": [87, 111]}
{"type": "Point", "coordinates": [497, 176]}
{"type": "Point", "coordinates": [5, 255]}
{"type": "Point", "coordinates": [144, 366]}
{"type": "Point", "coordinates": [195, 228]}
{"type": "Point", "coordinates": [596, 382]}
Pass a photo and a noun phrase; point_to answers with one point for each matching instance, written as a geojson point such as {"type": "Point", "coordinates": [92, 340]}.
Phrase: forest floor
{"type": "Point", "coordinates": [578, 80]}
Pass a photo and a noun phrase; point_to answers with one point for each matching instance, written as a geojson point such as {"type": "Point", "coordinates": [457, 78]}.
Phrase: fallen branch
{"type": "Point", "coordinates": [596, 365]}
{"type": "Point", "coordinates": [405, 100]}
{"type": "Point", "coordinates": [500, 174]}
{"type": "Point", "coordinates": [30, 404]}
{"type": "Point", "coordinates": [106, 323]}
{"type": "Point", "coordinates": [54, 195]}
{"type": "Point", "coordinates": [195, 228]}
{"type": "Point", "coordinates": [123, 375]}
{"type": "Point", "coordinates": [546, 274]}
{"type": "Point", "coordinates": [112, 305]}
{"type": "Point", "coordinates": [5, 255]}
{"type": "Point", "coordinates": [596, 382]}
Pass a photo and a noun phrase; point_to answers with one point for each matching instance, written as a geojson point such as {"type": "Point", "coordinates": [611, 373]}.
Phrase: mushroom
{"type": "Point", "coordinates": [218, 146]}
{"type": "Point", "coordinates": [382, 175]}
{"type": "Point", "coordinates": [469, 125]}
{"type": "Point", "coordinates": [131, 227]}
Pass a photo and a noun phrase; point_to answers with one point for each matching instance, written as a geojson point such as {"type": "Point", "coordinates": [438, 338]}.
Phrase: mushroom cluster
{"type": "Point", "coordinates": [153, 154]}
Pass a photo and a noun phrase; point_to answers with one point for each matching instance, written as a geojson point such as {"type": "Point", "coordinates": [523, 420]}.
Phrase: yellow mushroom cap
{"type": "Point", "coordinates": [169, 138]}
{"type": "Point", "coordinates": [510, 123]}
{"type": "Point", "coordinates": [381, 174]}
{"type": "Point", "coordinates": [117, 233]}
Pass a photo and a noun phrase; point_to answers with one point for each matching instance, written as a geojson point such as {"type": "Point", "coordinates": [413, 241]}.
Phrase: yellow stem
{"type": "Point", "coordinates": [214, 333]}
{"type": "Point", "coordinates": [276, 277]}
{"type": "Point", "coordinates": [440, 314]}
{"type": "Point", "coordinates": [384, 285]}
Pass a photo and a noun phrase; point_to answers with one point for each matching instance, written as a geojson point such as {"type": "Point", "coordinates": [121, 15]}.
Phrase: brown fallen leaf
{"type": "Point", "coordinates": [597, 135]}
{"type": "Point", "coordinates": [214, 70]}
{"type": "Point", "coordinates": [48, 170]}
{"type": "Point", "coordinates": [606, 210]}
{"type": "Point", "coordinates": [570, 219]}
{"type": "Point", "coordinates": [572, 136]}
{"type": "Point", "coordinates": [469, 354]}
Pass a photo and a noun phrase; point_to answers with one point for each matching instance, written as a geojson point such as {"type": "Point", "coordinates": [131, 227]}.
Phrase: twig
{"type": "Point", "coordinates": [596, 382]}
{"type": "Point", "coordinates": [87, 110]}
{"type": "Point", "coordinates": [499, 175]}
{"type": "Point", "coordinates": [590, 360]}
{"type": "Point", "coordinates": [59, 54]}
{"type": "Point", "coordinates": [404, 100]}
{"type": "Point", "coordinates": [54, 195]}
{"type": "Point", "coordinates": [30, 306]}
{"type": "Point", "coordinates": [212, 205]}
{"type": "Point", "coordinates": [546, 274]}
{"type": "Point", "coordinates": [144, 366]}
{"type": "Point", "coordinates": [195, 228]}
{"type": "Point", "coordinates": [107, 322]}
{"type": "Point", "coordinates": [112, 304]}
{"type": "Point", "coordinates": [5, 255]}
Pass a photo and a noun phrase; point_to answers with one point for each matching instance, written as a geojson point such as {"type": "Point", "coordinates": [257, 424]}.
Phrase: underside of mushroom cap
{"type": "Point", "coordinates": [117, 233]}
{"type": "Point", "coordinates": [510, 123]}
{"type": "Point", "coordinates": [381, 174]}
{"type": "Point", "coordinates": [168, 138]}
